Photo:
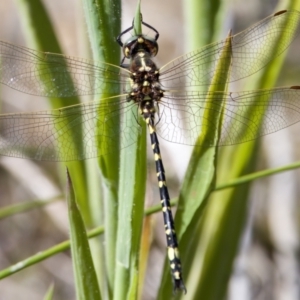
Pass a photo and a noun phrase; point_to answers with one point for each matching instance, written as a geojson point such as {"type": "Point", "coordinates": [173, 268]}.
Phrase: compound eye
{"type": "Point", "coordinates": [154, 51]}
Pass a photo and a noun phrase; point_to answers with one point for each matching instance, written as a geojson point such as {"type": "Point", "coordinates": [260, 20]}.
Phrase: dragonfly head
{"type": "Point", "coordinates": [140, 43]}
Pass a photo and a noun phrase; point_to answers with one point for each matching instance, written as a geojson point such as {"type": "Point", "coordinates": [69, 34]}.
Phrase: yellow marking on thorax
{"type": "Point", "coordinates": [144, 66]}
{"type": "Point", "coordinates": [143, 63]}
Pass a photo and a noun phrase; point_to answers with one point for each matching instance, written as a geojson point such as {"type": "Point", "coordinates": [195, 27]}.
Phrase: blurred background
{"type": "Point", "coordinates": [267, 266]}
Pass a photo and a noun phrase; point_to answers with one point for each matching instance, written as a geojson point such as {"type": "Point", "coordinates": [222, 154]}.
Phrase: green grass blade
{"type": "Point", "coordinates": [11, 210]}
{"type": "Point", "coordinates": [42, 255]}
{"type": "Point", "coordinates": [131, 211]}
{"type": "Point", "coordinates": [50, 293]}
{"type": "Point", "coordinates": [151, 210]}
{"type": "Point", "coordinates": [205, 21]}
{"type": "Point", "coordinates": [103, 20]}
{"type": "Point", "coordinates": [257, 175]}
{"type": "Point", "coordinates": [41, 36]}
{"type": "Point", "coordinates": [200, 176]}
{"type": "Point", "coordinates": [132, 188]}
{"type": "Point", "coordinates": [84, 272]}
{"type": "Point", "coordinates": [137, 22]}
{"type": "Point", "coordinates": [226, 214]}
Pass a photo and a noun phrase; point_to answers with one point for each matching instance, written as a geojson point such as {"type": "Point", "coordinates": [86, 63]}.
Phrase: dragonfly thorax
{"type": "Point", "coordinates": [140, 43]}
{"type": "Point", "coordinates": [144, 79]}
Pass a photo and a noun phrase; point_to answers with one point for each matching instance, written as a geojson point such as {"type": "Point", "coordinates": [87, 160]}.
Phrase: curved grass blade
{"type": "Point", "coordinates": [50, 293]}
{"type": "Point", "coordinates": [42, 255]}
{"type": "Point", "coordinates": [204, 14]}
{"type": "Point", "coordinates": [137, 21]}
{"type": "Point", "coordinates": [226, 214]}
{"type": "Point", "coordinates": [84, 272]}
{"type": "Point", "coordinates": [132, 187]}
{"type": "Point", "coordinates": [149, 211]}
{"type": "Point", "coordinates": [11, 210]}
{"type": "Point", "coordinates": [103, 20]}
{"type": "Point", "coordinates": [130, 219]}
{"type": "Point", "coordinates": [256, 175]}
{"type": "Point", "coordinates": [200, 176]}
{"type": "Point", "coordinates": [41, 35]}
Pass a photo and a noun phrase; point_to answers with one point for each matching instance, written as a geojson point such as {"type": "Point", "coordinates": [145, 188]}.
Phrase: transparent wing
{"type": "Point", "coordinates": [70, 133]}
{"type": "Point", "coordinates": [54, 75]}
{"type": "Point", "coordinates": [73, 133]}
{"type": "Point", "coordinates": [252, 49]}
{"type": "Point", "coordinates": [247, 115]}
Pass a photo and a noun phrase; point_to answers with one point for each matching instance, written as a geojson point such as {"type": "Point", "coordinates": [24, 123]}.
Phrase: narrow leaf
{"type": "Point", "coordinates": [132, 188]}
{"type": "Point", "coordinates": [41, 36]}
{"type": "Point", "coordinates": [22, 207]}
{"type": "Point", "coordinates": [103, 19]}
{"type": "Point", "coordinates": [85, 275]}
{"type": "Point", "coordinates": [137, 22]}
{"type": "Point", "coordinates": [200, 176]}
{"type": "Point", "coordinates": [50, 293]}
{"type": "Point", "coordinates": [42, 255]}
{"type": "Point", "coordinates": [226, 213]}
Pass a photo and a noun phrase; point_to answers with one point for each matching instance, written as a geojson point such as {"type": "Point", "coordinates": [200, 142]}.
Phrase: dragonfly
{"type": "Point", "coordinates": [172, 100]}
